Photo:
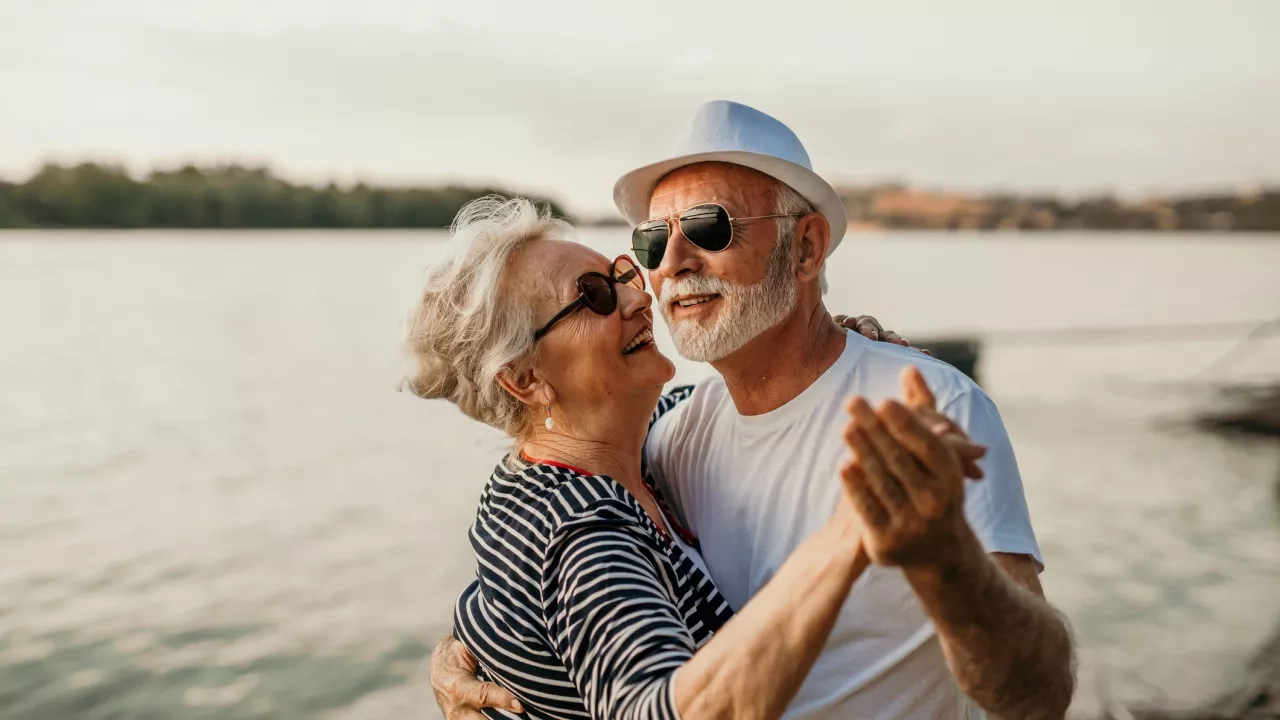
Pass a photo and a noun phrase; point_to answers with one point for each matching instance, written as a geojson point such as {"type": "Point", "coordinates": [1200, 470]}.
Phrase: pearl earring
{"type": "Point", "coordinates": [549, 423]}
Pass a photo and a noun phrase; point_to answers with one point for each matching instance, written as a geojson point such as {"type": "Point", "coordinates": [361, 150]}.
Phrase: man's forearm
{"type": "Point", "coordinates": [1008, 648]}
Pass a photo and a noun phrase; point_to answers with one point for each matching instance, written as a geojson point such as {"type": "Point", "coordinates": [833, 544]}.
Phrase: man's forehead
{"type": "Point", "coordinates": [730, 185]}
{"type": "Point", "coordinates": [679, 196]}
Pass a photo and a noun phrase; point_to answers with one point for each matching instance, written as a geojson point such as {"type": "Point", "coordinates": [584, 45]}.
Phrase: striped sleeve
{"type": "Point", "coordinates": [668, 401]}
{"type": "Point", "coordinates": [612, 621]}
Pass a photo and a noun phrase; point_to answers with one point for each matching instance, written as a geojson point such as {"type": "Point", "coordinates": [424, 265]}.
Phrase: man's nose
{"type": "Point", "coordinates": [681, 256]}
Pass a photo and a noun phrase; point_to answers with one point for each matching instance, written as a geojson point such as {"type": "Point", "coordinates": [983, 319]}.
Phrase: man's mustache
{"type": "Point", "coordinates": [693, 285]}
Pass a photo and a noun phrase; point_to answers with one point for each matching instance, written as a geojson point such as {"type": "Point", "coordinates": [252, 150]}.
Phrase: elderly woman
{"type": "Point", "coordinates": [589, 600]}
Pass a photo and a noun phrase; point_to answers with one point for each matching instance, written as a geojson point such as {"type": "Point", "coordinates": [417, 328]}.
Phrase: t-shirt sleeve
{"type": "Point", "coordinates": [613, 623]}
{"type": "Point", "coordinates": [996, 506]}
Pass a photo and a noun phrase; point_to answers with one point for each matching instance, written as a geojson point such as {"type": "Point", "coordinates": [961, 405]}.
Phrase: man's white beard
{"type": "Point", "coordinates": [745, 310]}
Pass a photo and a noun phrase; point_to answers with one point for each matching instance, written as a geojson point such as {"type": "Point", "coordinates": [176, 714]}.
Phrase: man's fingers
{"type": "Point", "coordinates": [915, 390]}
{"type": "Point", "coordinates": [864, 501]}
{"type": "Point", "coordinates": [905, 427]}
{"type": "Point", "coordinates": [968, 453]}
{"type": "Point", "coordinates": [486, 694]}
{"type": "Point", "coordinates": [458, 691]}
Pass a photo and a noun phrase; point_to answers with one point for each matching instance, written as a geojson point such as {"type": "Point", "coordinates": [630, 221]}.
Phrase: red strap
{"type": "Point", "coordinates": [553, 463]}
{"type": "Point", "coordinates": [683, 532]}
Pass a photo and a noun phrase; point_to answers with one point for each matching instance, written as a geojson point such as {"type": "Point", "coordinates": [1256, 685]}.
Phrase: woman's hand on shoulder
{"type": "Point", "coordinates": [871, 329]}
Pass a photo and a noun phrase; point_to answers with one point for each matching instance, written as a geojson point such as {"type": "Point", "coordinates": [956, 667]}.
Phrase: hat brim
{"type": "Point", "coordinates": [633, 191]}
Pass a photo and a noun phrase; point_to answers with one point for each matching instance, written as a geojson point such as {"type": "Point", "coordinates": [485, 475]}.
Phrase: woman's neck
{"type": "Point", "coordinates": [619, 459]}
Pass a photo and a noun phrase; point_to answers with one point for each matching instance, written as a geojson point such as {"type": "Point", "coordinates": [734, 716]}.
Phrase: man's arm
{"type": "Point", "coordinates": [458, 692]}
{"type": "Point", "coordinates": [1008, 648]}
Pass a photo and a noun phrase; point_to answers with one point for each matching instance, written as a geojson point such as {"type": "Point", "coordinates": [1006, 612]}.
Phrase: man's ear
{"type": "Point", "coordinates": [526, 386]}
{"type": "Point", "coordinates": [813, 236]}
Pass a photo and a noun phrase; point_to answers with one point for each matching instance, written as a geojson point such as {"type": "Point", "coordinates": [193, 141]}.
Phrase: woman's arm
{"type": "Point", "coordinates": [755, 665]}
{"type": "Point", "coordinates": [630, 654]}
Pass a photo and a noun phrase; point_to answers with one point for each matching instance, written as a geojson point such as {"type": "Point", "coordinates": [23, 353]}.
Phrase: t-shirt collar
{"type": "Point", "coordinates": [811, 397]}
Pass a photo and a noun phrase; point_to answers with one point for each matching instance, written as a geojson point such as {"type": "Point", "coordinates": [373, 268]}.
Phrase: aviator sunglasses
{"type": "Point", "coordinates": [598, 293]}
{"type": "Point", "coordinates": [707, 226]}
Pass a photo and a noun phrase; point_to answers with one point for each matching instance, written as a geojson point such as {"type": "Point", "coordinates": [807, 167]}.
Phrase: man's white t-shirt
{"type": "Point", "coordinates": [752, 488]}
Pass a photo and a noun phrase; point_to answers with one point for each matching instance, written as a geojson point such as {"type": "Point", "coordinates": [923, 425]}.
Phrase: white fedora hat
{"type": "Point", "coordinates": [729, 132]}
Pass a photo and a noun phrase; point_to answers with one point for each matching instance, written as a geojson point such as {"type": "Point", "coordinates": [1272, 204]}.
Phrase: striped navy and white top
{"type": "Point", "coordinates": [582, 607]}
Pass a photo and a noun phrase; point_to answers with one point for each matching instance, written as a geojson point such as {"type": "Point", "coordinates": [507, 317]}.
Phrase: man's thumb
{"type": "Point", "coordinates": [494, 696]}
{"type": "Point", "coordinates": [915, 390]}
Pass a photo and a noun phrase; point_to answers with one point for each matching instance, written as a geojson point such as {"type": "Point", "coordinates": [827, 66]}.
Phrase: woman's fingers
{"type": "Point", "coordinates": [888, 467]}
{"type": "Point", "coordinates": [893, 337]}
{"type": "Point", "coordinates": [938, 466]}
{"type": "Point", "coordinates": [865, 325]}
{"type": "Point", "coordinates": [864, 500]}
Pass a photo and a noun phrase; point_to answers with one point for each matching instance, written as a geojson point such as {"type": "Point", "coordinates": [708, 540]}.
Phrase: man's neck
{"type": "Point", "coordinates": [780, 363]}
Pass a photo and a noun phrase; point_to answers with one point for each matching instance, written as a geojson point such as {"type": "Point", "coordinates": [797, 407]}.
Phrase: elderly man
{"type": "Point", "coordinates": [735, 229]}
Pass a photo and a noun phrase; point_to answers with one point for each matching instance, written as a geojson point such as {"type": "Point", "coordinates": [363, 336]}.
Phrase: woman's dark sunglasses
{"type": "Point", "coordinates": [596, 291]}
{"type": "Point", "coordinates": [707, 226]}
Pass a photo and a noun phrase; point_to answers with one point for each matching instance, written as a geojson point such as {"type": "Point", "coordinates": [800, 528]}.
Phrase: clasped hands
{"type": "Point", "coordinates": [905, 481]}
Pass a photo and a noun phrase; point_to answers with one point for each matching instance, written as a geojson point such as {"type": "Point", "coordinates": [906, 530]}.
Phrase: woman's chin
{"type": "Point", "coordinates": [651, 364]}
{"type": "Point", "coordinates": [670, 369]}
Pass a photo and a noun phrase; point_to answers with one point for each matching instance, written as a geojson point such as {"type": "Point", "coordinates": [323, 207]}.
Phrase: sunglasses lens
{"type": "Point", "coordinates": [649, 242]}
{"type": "Point", "coordinates": [626, 272]}
{"type": "Point", "coordinates": [597, 294]}
{"type": "Point", "coordinates": [707, 226]}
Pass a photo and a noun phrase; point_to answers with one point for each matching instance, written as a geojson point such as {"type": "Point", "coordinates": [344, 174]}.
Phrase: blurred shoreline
{"type": "Point", "coordinates": [98, 196]}
{"type": "Point", "coordinates": [902, 207]}
{"type": "Point", "coordinates": [90, 195]}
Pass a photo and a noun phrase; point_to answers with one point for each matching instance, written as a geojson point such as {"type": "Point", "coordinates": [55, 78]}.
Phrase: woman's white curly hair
{"type": "Point", "coordinates": [468, 325]}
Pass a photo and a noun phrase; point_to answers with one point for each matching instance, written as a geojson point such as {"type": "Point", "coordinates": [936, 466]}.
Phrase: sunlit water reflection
{"type": "Point", "coordinates": [213, 502]}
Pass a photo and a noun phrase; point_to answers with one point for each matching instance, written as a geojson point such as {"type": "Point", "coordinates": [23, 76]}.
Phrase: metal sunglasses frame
{"type": "Point", "coordinates": [678, 217]}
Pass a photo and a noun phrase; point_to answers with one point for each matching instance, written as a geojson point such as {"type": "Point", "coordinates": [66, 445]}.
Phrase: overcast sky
{"type": "Point", "coordinates": [561, 96]}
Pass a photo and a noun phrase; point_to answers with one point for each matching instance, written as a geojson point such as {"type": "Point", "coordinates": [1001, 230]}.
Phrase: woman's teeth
{"type": "Point", "coordinates": [695, 301]}
{"type": "Point", "coordinates": [643, 337]}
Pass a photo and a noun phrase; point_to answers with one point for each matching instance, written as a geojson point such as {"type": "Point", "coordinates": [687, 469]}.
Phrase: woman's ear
{"type": "Point", "coordinates": [526, 386]}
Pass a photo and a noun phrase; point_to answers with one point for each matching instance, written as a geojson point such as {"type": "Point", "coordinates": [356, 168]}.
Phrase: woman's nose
{"type": "Point", "coordinates": [632, 300]}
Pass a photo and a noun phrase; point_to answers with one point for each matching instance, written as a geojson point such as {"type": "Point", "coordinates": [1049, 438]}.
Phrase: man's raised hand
{"type": "Point", "coordinates": [906, 477]}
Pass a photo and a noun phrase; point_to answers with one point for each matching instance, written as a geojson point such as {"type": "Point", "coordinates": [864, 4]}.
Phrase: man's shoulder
{"type": "Point", "coordinates": [877, 369]}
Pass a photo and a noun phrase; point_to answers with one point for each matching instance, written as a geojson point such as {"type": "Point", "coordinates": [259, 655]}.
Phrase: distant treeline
{"type": "Point", "coordinates": [898, 206]}
{"type": "Point", "coordinates": [92, 195]}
